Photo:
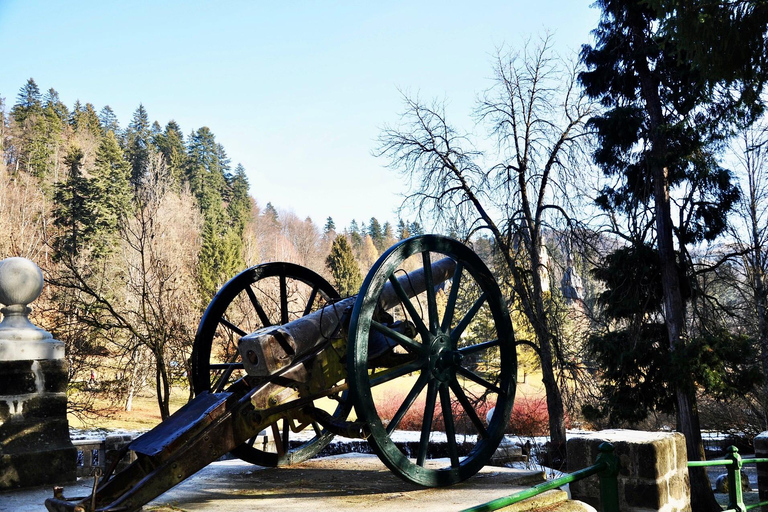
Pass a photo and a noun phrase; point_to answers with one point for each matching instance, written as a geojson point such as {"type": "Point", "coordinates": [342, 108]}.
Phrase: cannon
{"type": "Point", "coordinates": [426, 344]}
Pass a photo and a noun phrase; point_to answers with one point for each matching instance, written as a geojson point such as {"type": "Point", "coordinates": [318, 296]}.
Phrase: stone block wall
{"type": "Point", "coordinates": [653, 474]}
{"type": "Point", "coordinates": [35, 448]}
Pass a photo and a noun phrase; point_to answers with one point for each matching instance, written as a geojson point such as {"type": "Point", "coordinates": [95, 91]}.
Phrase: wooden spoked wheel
{"type": "Point", "coordinates": [261, 296]}
{"type": "Point", "coordinates": [443, 378]}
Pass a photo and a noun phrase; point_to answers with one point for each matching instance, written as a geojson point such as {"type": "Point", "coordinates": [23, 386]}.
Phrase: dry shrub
{"type": "Point", "coordinates": [529, 415]}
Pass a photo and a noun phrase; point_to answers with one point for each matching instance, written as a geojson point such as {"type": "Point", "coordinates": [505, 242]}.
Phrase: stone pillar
{"type": "Point", "coordinates": [761, 452]}
{"type": "Point", "coordinates": [653, 473]}
{"type": "Point", "coordinates": [35, 448]}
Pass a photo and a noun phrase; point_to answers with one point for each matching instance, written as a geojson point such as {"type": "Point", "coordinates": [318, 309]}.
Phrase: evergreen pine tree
{"type": "Point", "coordinates": [343, 267]}
{"type": "Point", "coordinates": [239, 207]}
{"type": "Point", "coordinates": [53, 104]}
{"type": "Point", "coordinates": [171, 146]}
{"type": "Point", "coordinates": [108, 121]}
{"type": "Point", "coordinates": [111, 190]}
{"type": "Point", "coordinates": [71, 214]}
{"type": "Point", "coordinates": [403, 231]}
{"type": "Point", "coordinates": [28, 102]}
{"type": "Point", "coordinates": [137, 141]}
{"type": "Point", "coordinates": [377, 235]}
{"type": "Point", "coordinates": [330, 226]}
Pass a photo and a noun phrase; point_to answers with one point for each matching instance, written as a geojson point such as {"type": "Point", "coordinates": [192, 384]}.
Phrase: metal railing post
{"type": "Point", "coordinates": [735, 495]}
{"type": "Point", "coordinates": [609, 483]}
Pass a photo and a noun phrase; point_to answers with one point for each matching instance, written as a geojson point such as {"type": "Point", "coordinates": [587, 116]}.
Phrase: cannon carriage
{"type": "Point", "coordinates": [427, 343]}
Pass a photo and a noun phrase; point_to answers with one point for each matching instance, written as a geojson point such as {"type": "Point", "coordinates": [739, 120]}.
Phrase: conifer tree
{"type": "Point", "coordinates": [330, 226]}
{"type": "Point", "coordinates": [111, 190]}
{"type": "Point", "coordinates": [108, 121]}
{"type": "Point", "coordinates": [53, 104]}
{"type": "Point", "coordinates": [28, 102]}
{"type": "Point", "coordinates": [343, 267]}
{"type": "Point", "coordinates": [403, 230]}
{"type": "Point", "coordinates": [376, 233]}
{"type": "Point", "coordinates": [665, 117]}
{"type": "Point", "coordinates": [137, 144]}
{"type": "Point", "coordinates": [239, 207]}
{"type": "Point", "coordinates": [171, 146]}
{"type": "Point", "coordinates": [71, 214]}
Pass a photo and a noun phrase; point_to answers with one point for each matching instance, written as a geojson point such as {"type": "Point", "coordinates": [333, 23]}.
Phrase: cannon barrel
{"type": "Point", "coordinates": [266, 351]}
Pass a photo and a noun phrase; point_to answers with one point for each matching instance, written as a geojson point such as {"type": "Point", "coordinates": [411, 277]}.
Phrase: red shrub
{"type": "Point", "coordinates": [529, 417]}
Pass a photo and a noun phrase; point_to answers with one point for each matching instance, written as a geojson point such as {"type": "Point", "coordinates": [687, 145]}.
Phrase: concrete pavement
{"type": "Point", "coordinates": [351, 482]}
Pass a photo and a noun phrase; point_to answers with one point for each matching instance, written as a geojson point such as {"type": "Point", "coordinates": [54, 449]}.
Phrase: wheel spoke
{"type": "Point", "coordinates": [479, 380]}
{"type": "Point", "coordinates": [450, 429]}
{"type": "Point", "coordinates": [283, 300]}
{"type": "Point", "coordinates": [310, 302]}
{"type": "Point", "coordinates": [430, 291]}
{"type": "Point", "coordinates": [450, 307]}
{"type": "Point", "coordinates": [278, 440]}
{"type": "Point", "coordinates": [464, 401]}
{"type": "Point", "coordinates": [471, 349]}
{"type": "Point", "coordinates": [286, 434]}
{"type": "Point", "coordinates": [263, 318]}
{"type": "Point", "coordinates": [409, 307]}
{"type": "Point", "coordinates": [407, 343]}
{"type": "Point", "coordinates": [222, 381]}
{"type": "Point", "coordinates": [459, 330]}
{"type": "Point", "coordinates": [426, 424]}
{"type": "Point", "coordinates": [232, 327]}
{"type": "Point", "coordinates": [407, 403]}
{"type": "Point", "coordinates": [377, 379]}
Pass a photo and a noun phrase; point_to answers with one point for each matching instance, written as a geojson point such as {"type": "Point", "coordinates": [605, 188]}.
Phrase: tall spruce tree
{"type": "Point", "coordinates": [137, 144]}
{"type": "Point", "coordinates": [108, 121]}
{"type": "Point", "coordinates": [664, 119]}
{"type": "Point", "coordinates": [343, 267]}
{"type": "Point", "coordinates": [71, 213]}
{"type": "Point", "coordinates": [171, 145]}
{"type": "Point", "coordinates": [28, 102]}
{"type": "Point", "coordinates": [111, 191]}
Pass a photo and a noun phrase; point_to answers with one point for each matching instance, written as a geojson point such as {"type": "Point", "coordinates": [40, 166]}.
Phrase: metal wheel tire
{"type": "Point", "coordinates": [261, 296]}
{"type": "Point", "coordinates": [460, 361]}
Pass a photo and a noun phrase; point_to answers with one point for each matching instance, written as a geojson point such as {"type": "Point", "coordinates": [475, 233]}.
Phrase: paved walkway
{"type": "Point", "coordinates": [350, 482]}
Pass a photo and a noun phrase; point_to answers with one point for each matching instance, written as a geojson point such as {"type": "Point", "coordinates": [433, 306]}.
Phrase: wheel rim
{"type": "Point", "coordinates": [263, 295]}
{"type": "Point", "coordinates": [454, 372]}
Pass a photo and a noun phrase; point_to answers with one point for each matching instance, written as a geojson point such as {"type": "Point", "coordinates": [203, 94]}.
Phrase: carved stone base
{"type": "Point", "coordinates": [35, 448]}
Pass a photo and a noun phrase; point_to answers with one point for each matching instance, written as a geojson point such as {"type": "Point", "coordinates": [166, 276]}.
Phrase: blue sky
{"type": "Point", "coordinates": [295, 91]}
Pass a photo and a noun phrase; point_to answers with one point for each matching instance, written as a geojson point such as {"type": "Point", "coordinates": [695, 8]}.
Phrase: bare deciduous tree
{"type": "Point", "coordinates": [536, 114]}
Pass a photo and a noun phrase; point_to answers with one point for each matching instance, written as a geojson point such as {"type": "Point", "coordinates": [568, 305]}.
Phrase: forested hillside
{"type": "Point", "coordinates": [136, 227]}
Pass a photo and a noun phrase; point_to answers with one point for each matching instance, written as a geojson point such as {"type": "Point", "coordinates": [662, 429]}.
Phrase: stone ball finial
{"type": "Point", "coordinates": [21, 281]}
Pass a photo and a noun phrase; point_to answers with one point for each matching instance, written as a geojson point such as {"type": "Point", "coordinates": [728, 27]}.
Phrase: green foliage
{"type": "Point", "coordinates": [376, 233]}
{"type": "Point", "coordinates": [137, 140]}
{"type": "Point", "coordinates": [632, 283]}
{"type": "Point", "coordinates": [239, 207]}
{"type": "Point", "coordinates": [108, 121]}
{"type": "Point", "coordinates": [329, 225]}
{"type": "Point", "coordinates": [343, 267]}
{"type": "Point", "coordinates": [638, 371]}
{"type": "Point", "coordinates": [171, 146]}
{"type": "Point", "coordinates": [685, 135]}
{"type": "Point", "coordinates": [28, 102]}
{"type": "Point", "coordinates": [71, 213]}
{"type": "Point", "coordinates": [85, 120]}
{"type": "Point", "coordinates": [89, 211]}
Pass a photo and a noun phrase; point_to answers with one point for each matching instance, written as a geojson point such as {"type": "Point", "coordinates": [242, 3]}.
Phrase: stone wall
{"type": "Point", "coordinates": [653, 473]}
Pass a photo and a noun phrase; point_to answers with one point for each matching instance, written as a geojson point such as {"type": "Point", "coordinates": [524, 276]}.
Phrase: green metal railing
{"type": "Point", "coordinates": [606, 467]}
{"type": "Point", "coordinates": [733, 463]}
